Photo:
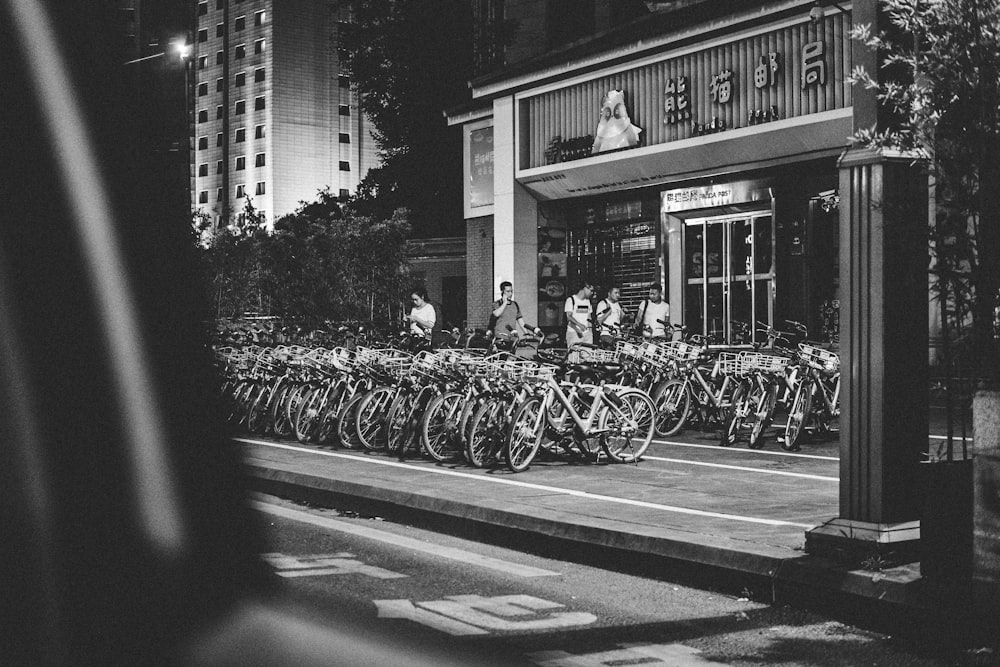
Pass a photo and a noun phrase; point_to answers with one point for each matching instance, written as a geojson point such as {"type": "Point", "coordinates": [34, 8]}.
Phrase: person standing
{"type": "Point", "coordinates": [422, 316]}
{"type": "Point", "coordinates": [653, 312]}
{"type": "Point", "coordinates": [609, 317]}
{"type": "Point", "coordinates": [578, 311]}
{"type": "Point", "coordinates": [506, 318]}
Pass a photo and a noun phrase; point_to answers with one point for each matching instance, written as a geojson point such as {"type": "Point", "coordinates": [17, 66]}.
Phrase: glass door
{"type": "Point", "coordinates": [729, 276]}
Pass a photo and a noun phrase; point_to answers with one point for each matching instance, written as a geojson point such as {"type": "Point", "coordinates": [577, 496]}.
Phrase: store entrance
{"type": "Point", "coordinates": [729, 276]}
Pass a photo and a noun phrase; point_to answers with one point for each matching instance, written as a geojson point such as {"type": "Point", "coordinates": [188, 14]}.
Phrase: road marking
{"type": "Point", "coordinates": [745, 451]}
{"type": "Point", "coordinates": [440, 551]}
{"type": "Point", "coordinates": [477, 615]}
{"type": "Point", "coordinates": [675, 655]}
{"type": "Point", "coordinates": [528, 485]}
{"type": "Point", "coordinates": [743, 468]}
{"type": "Point", "coordinates": [325, 564]}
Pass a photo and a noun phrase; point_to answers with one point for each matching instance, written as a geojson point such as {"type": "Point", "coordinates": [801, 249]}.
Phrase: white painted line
{"type": "Point", "coordinates": [944, 437]}
{"type": "Point", "coordinates": [527, 485]}
{"type": "Point", "coordinates": [440, 551]}
{"type": "Point", "coordinates": [742, 468]}
{"type": "Point", "coordinates": [720, 448]}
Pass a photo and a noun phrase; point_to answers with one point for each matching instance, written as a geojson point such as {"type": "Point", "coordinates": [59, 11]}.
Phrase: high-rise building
{"type": "Point", "coordinates": [275, 119]}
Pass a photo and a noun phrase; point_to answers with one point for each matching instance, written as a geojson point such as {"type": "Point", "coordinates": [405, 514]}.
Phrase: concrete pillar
{"type": "Point", "coordinates": [883, 351]}
{"type": "Point", "coordinates": [515, 216]}
{"type": "Point", "coordinates": [986, 475]}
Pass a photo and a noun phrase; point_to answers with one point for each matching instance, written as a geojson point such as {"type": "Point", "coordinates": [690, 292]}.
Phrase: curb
{"type": "Point", "coordinates": [894, 601]}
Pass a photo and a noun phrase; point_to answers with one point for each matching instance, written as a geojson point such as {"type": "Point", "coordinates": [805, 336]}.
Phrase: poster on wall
{"type": "Point", "coordinates": [481, 167]}
{"type": "Point", "coordinates": [615, 129]}
{"type": "Point", "coordinates": [552, 289]}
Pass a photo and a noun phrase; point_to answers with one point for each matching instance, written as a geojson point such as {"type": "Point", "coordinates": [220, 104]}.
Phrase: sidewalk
{"type": "Point", "coordinates": [704, 515]}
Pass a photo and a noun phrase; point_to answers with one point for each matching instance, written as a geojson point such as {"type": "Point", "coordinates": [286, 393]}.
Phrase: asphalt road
{"type": "Point", "coordinates": [502, 606]}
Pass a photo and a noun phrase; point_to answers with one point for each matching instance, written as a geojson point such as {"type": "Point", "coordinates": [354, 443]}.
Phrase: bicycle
{"type": "Point", "coordinates": [821, 379]}
{"type": "Point", "coordinates": [702, 388]}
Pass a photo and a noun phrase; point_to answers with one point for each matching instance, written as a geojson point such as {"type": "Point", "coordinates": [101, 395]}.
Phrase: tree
{"type": "Point", "coordinates": [939, 88]}
{"type": "Point", "coordinates": [320, 263]}
{"type": "Point", "coordinates": [406, 63]}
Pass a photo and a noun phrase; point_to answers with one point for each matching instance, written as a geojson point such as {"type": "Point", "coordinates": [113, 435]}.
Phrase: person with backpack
{"type": "Point", "coordinates": [579, 310]}
{"type": "Point", "coordinates": [609, 317]}
{"type": "Point", "coordinates": [652, 315]}
{"type": "Point", "coordinates": [506, 318]}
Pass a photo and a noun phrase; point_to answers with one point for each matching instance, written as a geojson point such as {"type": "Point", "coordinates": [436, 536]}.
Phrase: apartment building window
{"type": "Point", "coordinates": [203, 143]}
{"type": "Point", "coordinates": [241, 79]}
{"type": "Point", "coordinates": [258, 103]}
{"type": "Point", "coordinates": [218, 194]}
{"type": "Point", "coordinates": [345, 138]}
{"type": "Point", "coordinates": [344, 193]}
{"type": "Point", "coordinates": [258, 18]}
{"type": "Point", "coordinates": [218, 85]}
{"type": "Point", "coordinates": [241, 163]}
{"type": "Point", "coordinates": [203, 35]}
{"type": "Point", "coordinates": [219, 112]}
{"type": "Point", "coordinates": [260, 188]}
{"type": "Point", "coordinates": [258, 74]}
{"type": "Point", "coordinates": [343, 110]}
{"type": "Point", "coordinates": [203, 116]}
{"type": "Point", "coordinates": [259, 160]}
{"type": "Point", "coordinates": [202, 8]}
{"type": "Point", "coordinates": [240, 191]}
{"type": "Point", "coordinates": [220, 4]}
{"type": "Point", "coordinates": [220, 29]}
{"type": "Point", "coordinates": [241, 50]}
{"type": "Point", "coordinates": [241, 23]}
{"type": "Point", "coordinates": [203, 197]}
{"type": "Point", "coordinates": [241, 135]}
{"type": "Point", "coordinates": [258, 46]}
{"type": "Point", "coordinates": [202, 62]}
{"type": "Point", "coordinates": [241, 107]}
{"type": "Point", "coordinates": [258, 132]}
{"type": "Point", "coordinates": [203, 169]}
{"type": "Point", "coordinates": [218, 166]}
{"type": "Point", "coordinates": [220, 57]}
{"type": "Point", "coordinates": [218, 139]}
{"type": "Point", "coordinates": [202, 89]}
{"type": "Point", "coordinates": [345, 166]}
{"type": "Point", "coordinates": [344, 81]}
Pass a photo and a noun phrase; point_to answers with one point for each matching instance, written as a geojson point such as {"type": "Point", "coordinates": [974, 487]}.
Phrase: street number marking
{"type": "Point", "coordinates": [325, 564]}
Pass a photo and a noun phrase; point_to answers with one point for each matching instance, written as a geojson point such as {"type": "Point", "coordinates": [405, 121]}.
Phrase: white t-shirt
{"type": "Point", "coordinates": [425, 313]}
{"type": "Point", "coordinates": [653, 312]}
{"type": "Point", "coordinates": [578, 310]}
{"type": "Point", "coordinates": [613, 319]}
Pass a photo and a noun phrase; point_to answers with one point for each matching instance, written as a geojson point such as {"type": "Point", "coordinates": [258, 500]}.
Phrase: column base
{"type": "Point", "coordinates": [860, 541]}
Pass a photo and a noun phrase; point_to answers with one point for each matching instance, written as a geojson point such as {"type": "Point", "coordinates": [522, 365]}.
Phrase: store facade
{"type": "Point", "coordinates": [708, 167]}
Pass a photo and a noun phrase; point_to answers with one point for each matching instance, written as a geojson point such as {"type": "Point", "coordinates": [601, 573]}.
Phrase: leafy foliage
{"type": "Point", "coordinates": [939, 92]}
{"type": "Point", "coordinates": [407, 62]}
{"type": "Point", "coordinates": [321, 262]}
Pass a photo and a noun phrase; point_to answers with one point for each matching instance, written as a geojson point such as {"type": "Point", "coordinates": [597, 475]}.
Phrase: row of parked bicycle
{"type": "Point", "coordinates": [505, 407]}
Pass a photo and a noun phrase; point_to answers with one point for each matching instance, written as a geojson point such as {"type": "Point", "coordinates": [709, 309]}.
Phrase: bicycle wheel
{"type": "Point", "coordinates": [763, 413]}
{"type": "Point", "coordinates": [486, 434]}
{"type": "Point", "coordinates": [370, 419]}
{"type": "Point", "coordinates": [524, 434]}
{"type": "Point", "coordinates": [798, 414]}
{"type": "Point", "coordinates": [334, 405]}
{"type": "Point", "coordinates": [307, 419]}
{"type": "Point", "coordinates": [280, 424]}
{"type": "Point", "coordinates": [439, 427]}
{"type": "Point", "coordinates": [629, 431]}
{"type": "Point", "coordinates": [257, 412]}
{"type": "Point", "coordinates": [346, 428]}
{"type": "Point", "coordinates": [673, 405]}
{"type": "Point", "coordinates": [737, 413]}
{"type": "Point", "coordinates": [294, 401]}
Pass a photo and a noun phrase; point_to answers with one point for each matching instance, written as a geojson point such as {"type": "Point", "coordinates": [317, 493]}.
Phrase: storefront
{"type": "Point", "coordinates": [707, 166]}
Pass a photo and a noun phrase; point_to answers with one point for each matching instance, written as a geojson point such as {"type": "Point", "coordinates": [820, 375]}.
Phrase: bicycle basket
{"type": "Point", "coordinates": [757, 362]}
{"type": "Point", "coordinates": [588, 355]}
{"type": "Point", "coordinates": [818, 358]}
{"type": "Point", "coordinates": [627, 350]}
{"type": "Point", "coordinates": [731, 363]}
{"type": "Point", "coordinates": [681, 351]}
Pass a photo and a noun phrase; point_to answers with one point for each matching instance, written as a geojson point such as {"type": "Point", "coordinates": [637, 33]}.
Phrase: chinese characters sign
{"type": "Point", "coordinates": [481, 167]}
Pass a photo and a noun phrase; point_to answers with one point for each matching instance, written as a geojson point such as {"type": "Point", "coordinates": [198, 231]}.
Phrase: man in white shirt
{"type": "Point", "coordinates": [578, 310]}
{"type": "Point", "coordinates": [653, 312]}
{"type": "Point", "coordinates": [609, 317]}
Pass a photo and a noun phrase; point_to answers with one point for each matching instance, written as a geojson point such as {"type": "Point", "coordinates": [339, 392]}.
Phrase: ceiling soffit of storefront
{"type": "Point", "coordinates": [795, 139]}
